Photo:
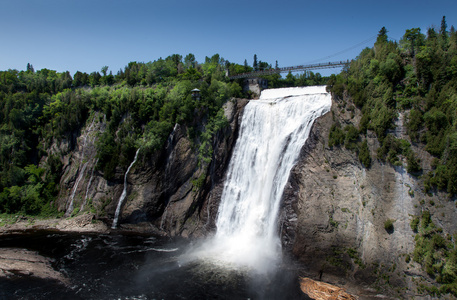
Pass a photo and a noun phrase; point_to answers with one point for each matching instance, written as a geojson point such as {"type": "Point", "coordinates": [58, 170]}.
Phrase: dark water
{"type": "Point", "coordinates": [119, 266]}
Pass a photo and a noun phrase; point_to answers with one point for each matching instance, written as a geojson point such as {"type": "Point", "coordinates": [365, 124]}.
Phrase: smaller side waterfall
{"type": "Point", "coordinates": [73, 193]}
{"type": "Point", "coordinates": [88, 185]}
{"type": "Point", "coordinates": [81, 174]}
{"type": "Point", "coordinates": [124, 192]}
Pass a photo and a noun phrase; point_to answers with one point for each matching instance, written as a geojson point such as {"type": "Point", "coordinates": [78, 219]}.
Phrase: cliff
{"type": "Point", "coordinates": [336, 212]}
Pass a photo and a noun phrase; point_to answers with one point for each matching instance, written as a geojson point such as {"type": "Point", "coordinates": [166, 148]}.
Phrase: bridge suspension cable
{"type": "Point", "coordinates": [345, 50]}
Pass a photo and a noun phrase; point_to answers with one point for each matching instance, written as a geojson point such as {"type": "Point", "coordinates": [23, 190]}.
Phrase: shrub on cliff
{"type": "Point", "coordinates": [389, 225]}
{"type": "Point", "coordinates": [364, 154]}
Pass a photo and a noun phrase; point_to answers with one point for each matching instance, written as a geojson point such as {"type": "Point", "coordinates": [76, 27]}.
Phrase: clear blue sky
{"type": "Point", "coordinates": [85, 35]}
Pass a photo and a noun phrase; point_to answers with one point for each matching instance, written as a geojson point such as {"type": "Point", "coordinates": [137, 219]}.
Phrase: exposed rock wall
{"type": "Point", "coordinates": [161, 189]}
{"type": "Point", "coordinates": [335, 210]}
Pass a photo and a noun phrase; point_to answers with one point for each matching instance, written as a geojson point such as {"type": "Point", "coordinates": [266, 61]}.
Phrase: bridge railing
{"type": "Point", "coordinates": [326, 65]}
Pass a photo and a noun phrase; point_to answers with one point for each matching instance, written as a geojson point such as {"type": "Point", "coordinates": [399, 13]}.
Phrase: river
{"type": "Point", "coordinates": [123, 266]}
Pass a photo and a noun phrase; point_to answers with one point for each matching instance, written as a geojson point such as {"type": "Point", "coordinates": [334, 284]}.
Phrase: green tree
{"type": "Point", "coordinates": [30, 68]}
{"type": "Point", "coordinates": [189, 61]}
{"type": "Point", "coordinates": [412, 40]}
{"type": "Point", "coordinates": [364, 154]}
{"type": "Point", "coordinates": [382, 35]}
{"type": "Point", "coordinates": [104, 70]}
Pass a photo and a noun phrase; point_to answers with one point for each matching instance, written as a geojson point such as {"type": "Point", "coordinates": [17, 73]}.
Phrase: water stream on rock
{"type": "Point", "coordinates": [124, 192]}
{"type": "Point", "coordinates": [70, 208]}
{"type": "Point", "coordinates": [73, 193]}
{"type": "Point", "coordinates": [88, 186]}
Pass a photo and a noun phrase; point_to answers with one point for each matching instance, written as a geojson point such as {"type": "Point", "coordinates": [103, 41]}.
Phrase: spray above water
{"type": "Point", "coordinates": [273, 131]}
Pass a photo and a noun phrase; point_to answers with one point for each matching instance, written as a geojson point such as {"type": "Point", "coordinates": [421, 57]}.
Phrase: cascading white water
{"type": "Point", "coordinates": [273, 131]}
{"type": "Point", "coordinates": [73, 193]}
{"type": "Point", "coordinates": [69, 210]}
{"type": "Point", "coordinates": [124, 192]}
{"type": "Point", "coordinates": [88, 186]}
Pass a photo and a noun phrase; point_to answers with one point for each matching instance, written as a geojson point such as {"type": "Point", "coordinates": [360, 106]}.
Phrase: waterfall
{"type": "Point", "coordinates": [73, 193]}
{"type": "Point", "coordinates": [124, 192]}
{"type": "Point", "coordinates": [81, 173]}
{"type": "Point", "coordinates": [88, 185]}
{"type": "Point", "coordinates": [273, 131]}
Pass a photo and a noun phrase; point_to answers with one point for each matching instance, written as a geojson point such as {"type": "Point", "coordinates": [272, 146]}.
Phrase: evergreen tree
{"type": "Point", "coordinates": [30, 68]}
{"type": "Point", "coordinates": [443, 33]}
{"type": "Point", "coordinates": [382, 35]}
{"type": "Point", "coordinates": [104, 70]}
{"type": "Point", "coordinates": [443, 28]}
{"type": "Point", "coordinates": [189, 61]}
{"type": "Point", "coordinates": [255, 66]}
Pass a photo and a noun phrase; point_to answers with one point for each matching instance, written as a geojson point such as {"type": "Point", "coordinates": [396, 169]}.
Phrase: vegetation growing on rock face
{"type": "Point", "coordinates": [418, 77]}
{"type": "Point", "coordinates": [389, 225]}
{"type": "Point", "coordinates": [437, 253]}
{"type": "Point", "coordinates": [414, 80]}
{"type": "Point", "coordinates": [140, 106]}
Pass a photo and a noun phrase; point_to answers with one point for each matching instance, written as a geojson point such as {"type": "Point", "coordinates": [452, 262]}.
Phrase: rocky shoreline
{"type": "Point", "coordinates": [19, 262]}
{"type": "Point", "coordinates": [82, 223]}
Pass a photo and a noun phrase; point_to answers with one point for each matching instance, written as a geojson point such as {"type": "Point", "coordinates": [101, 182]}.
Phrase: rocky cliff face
{"type": "Point", "coordinates": [335, 211]}
{"type": "Point", "coordinates": [161, 189]}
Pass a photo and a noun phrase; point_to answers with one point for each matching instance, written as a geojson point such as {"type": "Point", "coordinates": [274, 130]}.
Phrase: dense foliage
{"type": "Point", "coordinates": [140, 106]}
{"type": "Point", "coordinates": [437, 253]}
{"type": "Point", "coordinates": [416, 77]}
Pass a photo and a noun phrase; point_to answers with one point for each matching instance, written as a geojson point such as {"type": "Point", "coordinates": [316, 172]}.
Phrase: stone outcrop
{"type": "Point", "coordinates": [323, 291]}
{"type": "Point", "coordinates": [85, 222]}
{"type": "Point", "coordinates": [335, 210]}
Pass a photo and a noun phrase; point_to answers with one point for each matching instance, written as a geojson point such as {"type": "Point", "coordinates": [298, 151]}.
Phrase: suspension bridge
{"type": "Point", "coordinates": [327, 65]}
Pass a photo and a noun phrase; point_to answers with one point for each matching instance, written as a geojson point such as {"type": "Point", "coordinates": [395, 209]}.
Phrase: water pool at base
{"type": "Point", "coordinates": [120, 266]}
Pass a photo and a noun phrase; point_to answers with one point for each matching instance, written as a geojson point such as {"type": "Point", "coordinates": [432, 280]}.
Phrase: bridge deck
{"type": "Point", "coordinates": [327, 65]}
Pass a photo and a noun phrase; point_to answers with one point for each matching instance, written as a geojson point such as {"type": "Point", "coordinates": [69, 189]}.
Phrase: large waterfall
{"type": "Point", "coordinates": [273, 131]}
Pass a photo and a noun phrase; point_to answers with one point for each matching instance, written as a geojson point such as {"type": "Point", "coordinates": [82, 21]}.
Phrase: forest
{"type": "Point", "coordinates": [416, 76]}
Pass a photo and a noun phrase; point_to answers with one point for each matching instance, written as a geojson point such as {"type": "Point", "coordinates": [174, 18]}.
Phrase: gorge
{"type": "Point", "coordinates": [273, 130]}
{"type": "Point", "coordinates": [330, 216]}
{"type": "Point", "coordinates": [168, 180]}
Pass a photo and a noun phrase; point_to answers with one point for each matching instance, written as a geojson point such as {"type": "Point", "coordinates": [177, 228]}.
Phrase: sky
{"type": "Point", "coordinates": [85, 35]}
